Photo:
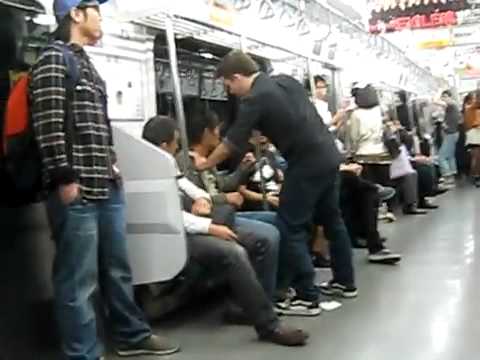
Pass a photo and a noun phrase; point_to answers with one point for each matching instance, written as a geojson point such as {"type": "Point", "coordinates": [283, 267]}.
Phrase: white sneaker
{"type": "Point", "coordinates": [384, 256]}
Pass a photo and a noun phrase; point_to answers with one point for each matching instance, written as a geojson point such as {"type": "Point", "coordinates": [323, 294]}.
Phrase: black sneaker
{"type": "Point", "coordinates": [336, 289]}
{"type": "Point", "coordinates": [153, 345]}
{"type": "Point", "coordinates": [384, 256]}
{"type": "Point", "coordinates": [297, 307]}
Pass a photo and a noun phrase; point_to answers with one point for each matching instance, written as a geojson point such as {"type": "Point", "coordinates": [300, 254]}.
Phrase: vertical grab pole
{"type": "Point", "coordinates": [177, 94]}
{"type": "Point", "coordinates": [310, 77]}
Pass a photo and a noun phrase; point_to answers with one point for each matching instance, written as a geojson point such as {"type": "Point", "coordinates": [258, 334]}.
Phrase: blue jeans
{"type": "Point", "coordinates": [264, 253]}
{"type": "Point", "coordinates": [446, 155]}
{"type": "Point", "coordinates": [92, 251]}
{"type": "Point", "coordinates": [308, 198]}
{"type": "Point", "coordinates": [268, 217]}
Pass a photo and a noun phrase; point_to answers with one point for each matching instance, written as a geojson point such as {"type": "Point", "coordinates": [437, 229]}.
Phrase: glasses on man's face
{"type": "Point", "coordinates": [321, 87]}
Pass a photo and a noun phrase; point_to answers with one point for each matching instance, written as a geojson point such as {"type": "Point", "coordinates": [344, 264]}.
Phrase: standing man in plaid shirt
{"type": "Point", "coordinates": [86, 204]}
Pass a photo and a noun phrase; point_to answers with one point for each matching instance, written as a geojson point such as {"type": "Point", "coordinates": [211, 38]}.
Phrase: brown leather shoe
{"type": "Point", "coordinates": [286, 336]}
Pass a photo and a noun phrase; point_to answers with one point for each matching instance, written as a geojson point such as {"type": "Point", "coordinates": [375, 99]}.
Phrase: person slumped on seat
{"type": "Point", "coordinates": [86, 203]}
{"type": "Point", "coordinates": [280, 108]}
{"type": "Point", "coordinates": [219, 246]}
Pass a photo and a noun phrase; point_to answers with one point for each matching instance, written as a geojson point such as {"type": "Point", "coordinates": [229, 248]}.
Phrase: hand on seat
{"type": "Point", "coordinates": [222, 232]}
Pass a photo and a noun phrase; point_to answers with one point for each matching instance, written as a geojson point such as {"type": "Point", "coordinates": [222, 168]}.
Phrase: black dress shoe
{"type": "Point", "coordinates": [413, 210]}
{"type": "Point", "coordinates": [286, 336]}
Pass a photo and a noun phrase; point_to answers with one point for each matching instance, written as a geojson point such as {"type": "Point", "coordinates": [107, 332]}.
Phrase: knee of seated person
{"type": "Point", "coordinates": [237, 251]}
{"type": "Point", "coordinates": [267, 234]}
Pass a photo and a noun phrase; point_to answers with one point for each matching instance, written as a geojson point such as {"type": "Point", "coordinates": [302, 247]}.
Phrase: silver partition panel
{"type": "Point", "coordinates": [156, 238]}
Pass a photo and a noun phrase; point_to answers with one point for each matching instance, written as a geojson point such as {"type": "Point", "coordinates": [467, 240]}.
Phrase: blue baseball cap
{"type": "Point", "coordinates": [61, 8]}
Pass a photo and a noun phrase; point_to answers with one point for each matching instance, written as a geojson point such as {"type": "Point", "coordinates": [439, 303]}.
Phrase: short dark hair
{"type": "Point", "coordinates": [316, 79]}
{"type": "Point", "coordinates": [63, 32]}
{"type": "Point", "coordinates": [236, 62]}
{"type": "Point", "coordinates": [447, 93]}
{"type": "Point", "coordinates": [159, 130]}
{"type": "Point", "coordinates": [197, 125]}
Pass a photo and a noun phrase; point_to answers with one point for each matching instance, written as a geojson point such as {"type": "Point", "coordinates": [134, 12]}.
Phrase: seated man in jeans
{"type": "Point", "coordinates": [219, 247]}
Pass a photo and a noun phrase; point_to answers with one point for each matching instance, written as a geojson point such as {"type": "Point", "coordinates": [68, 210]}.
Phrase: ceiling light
{"type": "Point", "coordinates": [44, 20]}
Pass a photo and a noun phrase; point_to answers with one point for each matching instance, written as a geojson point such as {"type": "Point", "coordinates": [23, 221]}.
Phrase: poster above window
{"type": "Point", "coordinates": [397, 15]}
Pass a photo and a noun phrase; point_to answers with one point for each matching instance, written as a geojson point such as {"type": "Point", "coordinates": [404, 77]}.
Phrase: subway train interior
{"type": "Point", "coordinates": [336, 217]}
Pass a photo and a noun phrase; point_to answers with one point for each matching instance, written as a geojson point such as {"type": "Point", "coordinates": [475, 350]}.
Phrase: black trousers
{"type": "Point", "coordinates": [308, 197]}
{"type": "Point", "coordinates": [427, 180]}
{"type": "Point", "coordinates": [359, 202]}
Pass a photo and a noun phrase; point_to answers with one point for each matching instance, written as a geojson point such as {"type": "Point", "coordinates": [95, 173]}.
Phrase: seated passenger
{"type": "Point", "coordinates": [427, 181]}
{"type": "Point", "coordinates": [365, 143]}
{"type": "Point", "coordinates": [218, 247]}
{"type": "Point", "coordinates": [263, 187]}
{"type": "Point", "coordinates": [262, 246]}
{"type": "Point", "coordinates": [203, 133]}
{"type": "Point", "coordinates": [359, 201]}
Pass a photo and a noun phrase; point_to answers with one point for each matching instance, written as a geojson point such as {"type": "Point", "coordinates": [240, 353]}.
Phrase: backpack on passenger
{"type": "Point", "coordinates": [366, 96]}
{"type": "Point", "coordinates": [20, 154]}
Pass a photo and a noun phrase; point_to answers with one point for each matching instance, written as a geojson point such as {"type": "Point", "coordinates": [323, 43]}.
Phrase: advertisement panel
{"type": "Point", "coordinates": [397, 15]}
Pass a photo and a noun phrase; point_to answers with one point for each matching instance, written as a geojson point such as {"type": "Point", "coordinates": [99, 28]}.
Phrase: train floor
{"type": "Point", "coordinates": [426, 308]}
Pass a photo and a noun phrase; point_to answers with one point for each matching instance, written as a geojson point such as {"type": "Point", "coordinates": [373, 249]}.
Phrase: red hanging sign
{"type": "Point", "coordinates": [439, 19]}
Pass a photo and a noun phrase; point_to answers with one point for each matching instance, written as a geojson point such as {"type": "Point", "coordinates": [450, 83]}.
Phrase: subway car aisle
{"type": "Point", "coordinates": [424, 309]}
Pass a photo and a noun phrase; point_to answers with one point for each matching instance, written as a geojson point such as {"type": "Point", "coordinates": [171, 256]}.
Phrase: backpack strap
{"type": "Point", "coordinates": [71, 80]}
{"type": "Point", "coordinates": [73, 71]}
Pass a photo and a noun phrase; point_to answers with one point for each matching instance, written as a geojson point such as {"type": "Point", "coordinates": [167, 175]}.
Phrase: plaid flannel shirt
{"type": "Point", "coordinates": [86, 156]}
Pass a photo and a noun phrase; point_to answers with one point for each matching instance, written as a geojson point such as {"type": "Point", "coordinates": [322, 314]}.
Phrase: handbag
{"type": "Point", "coordinates": [401, 165]}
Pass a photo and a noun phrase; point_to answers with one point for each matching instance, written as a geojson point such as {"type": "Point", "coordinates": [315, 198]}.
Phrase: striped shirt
{"type": "Point", "coordinates": [85, 154]}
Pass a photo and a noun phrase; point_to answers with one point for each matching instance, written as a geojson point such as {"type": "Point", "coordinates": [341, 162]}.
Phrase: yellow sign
{"type": "Point", "coordinates": [222, 12]}
{"type": "Point", "coordinates": [434, 44]}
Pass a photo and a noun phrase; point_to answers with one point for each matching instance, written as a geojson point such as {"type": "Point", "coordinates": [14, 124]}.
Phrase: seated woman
{"type": "Point", "coordinates": [219, 247]}
{"type": "Point", "coordinates": [366, 145]}
{"type": "Point", "coordinates": [427, 180]}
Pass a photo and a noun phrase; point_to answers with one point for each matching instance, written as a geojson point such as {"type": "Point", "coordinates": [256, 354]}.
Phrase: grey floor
{"type": "Point", "coordinates": [425, 309]}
